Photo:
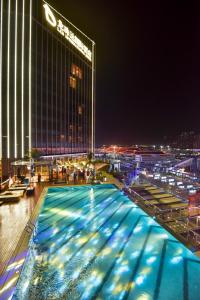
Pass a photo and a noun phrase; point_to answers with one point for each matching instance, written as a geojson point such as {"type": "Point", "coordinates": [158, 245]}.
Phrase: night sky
{"type": "Point", "coordinates": [148, 66]}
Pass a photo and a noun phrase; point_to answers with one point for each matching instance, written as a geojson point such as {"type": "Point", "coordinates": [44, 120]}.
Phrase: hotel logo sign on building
{"type": "Point", "coordinates": [66, 32]}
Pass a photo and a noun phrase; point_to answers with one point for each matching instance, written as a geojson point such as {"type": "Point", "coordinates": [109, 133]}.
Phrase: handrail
{"type": "Point", "coordinates": [4, 182]}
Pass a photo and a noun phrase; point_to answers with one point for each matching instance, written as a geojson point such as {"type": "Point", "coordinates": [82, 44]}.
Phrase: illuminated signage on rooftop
{"type": "Point", "coordinates": [66, 32]}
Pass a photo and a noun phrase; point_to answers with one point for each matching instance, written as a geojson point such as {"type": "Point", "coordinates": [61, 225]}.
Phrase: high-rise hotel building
{"type": "Point", "coordinates": [47, 83]}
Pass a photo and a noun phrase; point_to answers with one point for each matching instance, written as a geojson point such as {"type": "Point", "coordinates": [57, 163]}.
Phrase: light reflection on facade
{"type": "Point", "coordinates": [39, 108]}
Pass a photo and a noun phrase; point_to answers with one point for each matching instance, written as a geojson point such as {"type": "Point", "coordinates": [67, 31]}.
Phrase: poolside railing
{"type": "Point", "coordinates": [169, 216]}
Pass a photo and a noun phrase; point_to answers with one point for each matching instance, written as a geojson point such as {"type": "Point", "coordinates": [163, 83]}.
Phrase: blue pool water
{"type": "Point", "coordinates": [92, 242]}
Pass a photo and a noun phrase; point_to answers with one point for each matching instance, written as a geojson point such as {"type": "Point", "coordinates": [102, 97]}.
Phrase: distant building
{"type": "Point", "coordinates": [185, 140]}
{"type": "Point", "coordinates": [197, 141]}
{"type": "Point", "coordinates": [152, 157]}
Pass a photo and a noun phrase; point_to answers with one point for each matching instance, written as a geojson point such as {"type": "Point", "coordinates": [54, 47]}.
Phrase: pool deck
{"type": "Point", "coordinates": [116, 182]}
{"type": "Point", "coordinates": [118, 229]}
{"type": "Point", "coordinates": [16, 227]}
{"type": "Point", "coordinates": [13, 219]}
{"type": "Point", "coordinates": [15, 216]}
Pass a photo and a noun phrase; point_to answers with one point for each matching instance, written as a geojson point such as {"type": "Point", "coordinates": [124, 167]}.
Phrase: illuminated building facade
{"type": "Point", "coordinates": [47, 82]}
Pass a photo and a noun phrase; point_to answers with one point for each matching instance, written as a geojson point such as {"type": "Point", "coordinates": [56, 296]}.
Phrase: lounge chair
{"type": "Point", "coordinates": [11, 196]}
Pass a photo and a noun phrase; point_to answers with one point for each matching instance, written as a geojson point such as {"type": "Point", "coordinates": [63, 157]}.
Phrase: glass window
{"type": "Point", "coordinates": [80, 110]}
{"type": "Point", "coordinates": [72, 82]}
{"type": "Point", "coordinates": [76, 71]}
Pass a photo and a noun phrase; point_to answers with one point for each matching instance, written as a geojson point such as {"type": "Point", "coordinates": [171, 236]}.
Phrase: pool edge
{"type": "Point", "coordinates": [22, 245]}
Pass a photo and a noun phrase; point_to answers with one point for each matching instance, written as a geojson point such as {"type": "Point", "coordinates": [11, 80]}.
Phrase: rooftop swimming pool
{"type": "Point", "coordinates": [93, 242]}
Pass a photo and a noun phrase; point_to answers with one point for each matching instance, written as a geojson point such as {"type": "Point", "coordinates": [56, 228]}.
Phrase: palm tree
{"type": "Point", "coordinates": [89, 158]}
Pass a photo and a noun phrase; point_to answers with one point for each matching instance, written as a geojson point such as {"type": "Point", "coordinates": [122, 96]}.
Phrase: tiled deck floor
{"type": "Point", "coordinates": [13, 219]}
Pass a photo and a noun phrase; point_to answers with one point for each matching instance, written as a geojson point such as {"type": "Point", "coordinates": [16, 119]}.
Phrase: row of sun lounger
{"type": "Point", "coordinates": [11, 196]}
{"type": "Point", "coordinates": [14, 193]}
{"type": "Point", "coordinates": [171, 210]}
{"type": "Point", "coordinates": [153, 196]}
